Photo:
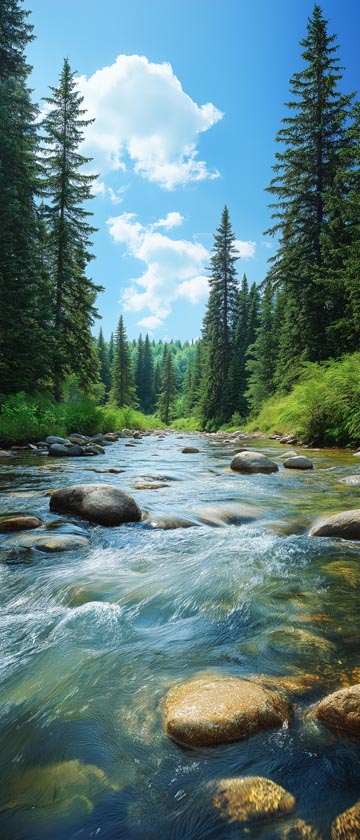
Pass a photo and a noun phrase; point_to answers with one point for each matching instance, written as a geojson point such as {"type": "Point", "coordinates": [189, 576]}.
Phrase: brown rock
{"type": "Point", "coordinates": [190, 450]}
{"type": "Point", "coordinates": [297, 685]}
{"type": "Point", "coordinates": [300, 830]}
{"type": "Point", "coordinates": [345, 525]}
{"type": "Point", "coordinates": [347, 825]}
{"type": "Point", "coordinates": [251, 798]}
{"type": "Point", "coordinates": [19, 523]}
{"type": "Point", "coordinates": [340, 711]}
{"type": "Point", "coordinates": [216, 710]}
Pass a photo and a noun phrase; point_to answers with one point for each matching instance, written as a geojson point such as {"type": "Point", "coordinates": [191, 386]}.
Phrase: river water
{"type": "Point", "coordinates": [220, 577]}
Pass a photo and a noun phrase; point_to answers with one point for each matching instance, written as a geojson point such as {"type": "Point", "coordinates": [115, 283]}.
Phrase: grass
{"type": "Point", "coordinates": [25, 418]}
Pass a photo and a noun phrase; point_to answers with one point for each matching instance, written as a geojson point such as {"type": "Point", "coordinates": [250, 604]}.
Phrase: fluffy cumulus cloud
{"type": "Point", "coordinates": [246, 250]}
{"type": "Point", "coordinates": [174, 268]}
{"type": "Point", "coordinates": [143, 115]}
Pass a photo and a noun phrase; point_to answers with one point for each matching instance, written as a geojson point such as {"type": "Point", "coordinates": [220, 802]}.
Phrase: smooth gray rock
{"type": "Point", "coordinates": [253, 462]}
{"type": "Point", "coordinates": [94, 450]}
{"type": "Point", "coordinates": [298, 462]}
{"type": "Point", "coordinates": [52, 439]}
{"type": "Point", "coordinates": [60, 451]}
{"type": "Point", "coordinates": [4, 453]}
{"type": "Point", "coordinates": [102, 504]}
{"type": "Point", "coordinates": [349, 479]}
{"type": "Point", "coordinates": [345, 525]}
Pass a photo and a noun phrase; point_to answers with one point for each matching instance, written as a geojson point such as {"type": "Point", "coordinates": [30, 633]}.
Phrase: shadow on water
{"type": "Point", "coordinates": [220, 577]}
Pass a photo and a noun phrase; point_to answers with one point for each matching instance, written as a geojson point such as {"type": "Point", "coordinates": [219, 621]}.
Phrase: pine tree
{"type": "Point", "coordinates": [148, 400]}
{"type": "Point", "coordinates": [24, 284]}
{"type": "Point", "coordinates": [219, 321]}
{"type": "Point", "coordinates": [122, 379]}
{"type": "Point", "coordinates": [262, 354]}
{"type": "Point", "coordinates": [105, 369]}
{"type": "Point", "coordinates": [236, 384]}
{"type": "Point", "coordinates": [168, 386]}
{"type": "Point", "coordinates": [313, 138]}
{"type": "Point", "coordinates": [67, 188]}
{"type": "Point", "coordinates": [111, 350]}
{"type": "Point", "coordinates": [139, 370]}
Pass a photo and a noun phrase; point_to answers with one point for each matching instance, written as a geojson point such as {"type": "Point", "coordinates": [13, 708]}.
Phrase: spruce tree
{"type": "Point", "coordinates": [139, 370]}
{"type": "Point", "coordinates": [148, 400]}
{"type": "Point", "coordinates": [122, 379]}
{"type": "Point", "coordinates": [67, 188]}
{"type": "Point", "coordinates": [312, 139]}
{"type": "Point", "coordinates": [219, 321]}
{"type": "Point", "coordinates": [24, 283]}
{"type": "Point", "coordinates": [168, 386]}
{"type": "Point", "coordinates": [104, 363]}
{"type": "Point", "coordinates": [262, 354]}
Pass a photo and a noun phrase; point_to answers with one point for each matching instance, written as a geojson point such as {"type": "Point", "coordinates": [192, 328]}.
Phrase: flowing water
{"type": "Point", "coordinates": [219, 577]}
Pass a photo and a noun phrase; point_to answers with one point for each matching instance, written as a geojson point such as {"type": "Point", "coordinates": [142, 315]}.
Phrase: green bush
{"type": "Point", "coordinates": [25, 418]}
{"type": "Point", "coordinates": [324, 407]}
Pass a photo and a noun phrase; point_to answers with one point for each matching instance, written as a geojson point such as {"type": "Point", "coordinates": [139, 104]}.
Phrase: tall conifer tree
{"type": "Point", "coordinates": [67, 188]}
{"type": "Point", "coordinates": [122, 378]}
{"type": "Point", "coordinates": [312, 139]}
{"type": "Point", "coordinates": [24, 287]}
{"type": "Point", "coordinates": [168, 386]}
{"type": "Point", "coordinates": [219, 321]}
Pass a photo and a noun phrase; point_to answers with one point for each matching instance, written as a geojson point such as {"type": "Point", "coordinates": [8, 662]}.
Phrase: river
{"type": "Point", "coordinates": [219, 577]}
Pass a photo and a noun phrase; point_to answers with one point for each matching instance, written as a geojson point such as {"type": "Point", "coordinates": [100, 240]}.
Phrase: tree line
{"type": "Point", "coordinates": [255, 339]}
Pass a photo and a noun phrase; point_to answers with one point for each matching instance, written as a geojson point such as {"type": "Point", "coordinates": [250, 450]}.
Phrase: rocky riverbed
{"type": "Point", "coordinates": [179, 634]}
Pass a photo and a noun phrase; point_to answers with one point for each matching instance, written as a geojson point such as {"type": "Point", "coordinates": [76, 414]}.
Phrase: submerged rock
{"type": "Point", "coordinates": [340, 711]}
{"type": "Point", "coordinates": [253, 462]}
{"type": "Point", "coordinates": [51, 543]}
{"type": "Point", "coordinates": [251, 798]}
{"type": "Point", "coordinates": [65, 787]}
{"type": "Point", "coordinates": [20, 523]}
{"type": "Point", "coordinates": [300, 830]}
{"type": "Point", "coordinates": [298, 462]}
{"type": "Point", "coordinates": [210, 711]}
{"type": "Point", "coordinates": [347, 825]}
{"type": "Point", "coordinates": [345, 525]}
{"type": "Point", "coordinates": [102, 504]}
{"type": "Point", "coordinates": [296, 686]}
{"type": "Point", "coordinates": [351, 480]}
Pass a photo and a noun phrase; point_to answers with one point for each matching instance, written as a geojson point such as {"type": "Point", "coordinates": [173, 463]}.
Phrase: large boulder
{"type": "Point", "coordinates": [215, 710]}
{"type": "Point", "coordinates": [253, 462]}
{"type": "Point", "coordinates": [102, 504]}
{"type": "Point", "coordinates": [19, 523]}
{"type": "Point", "coordinates": [347, 825]}
{"type": "Point", "coordinates": [59, 450]}
{"type": "Point", "coordinates": [298, 462]}
{"type": "Point", "coordinates": [251, 798]}
{"type": "Point", "coordinates": [340, 711]}
{"type": "Point", "coordinates": [345, 525]}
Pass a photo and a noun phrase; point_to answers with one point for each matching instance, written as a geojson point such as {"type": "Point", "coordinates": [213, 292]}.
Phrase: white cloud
{"type": "Point", "coordinates": [246, 250]}
{"type": "Point", "coordinates": [142, 113]}
{"type": "Point", "coordinates": [174, 268]}
{"type": "Point", "coordinates": [267, 244]}
{"type": "Point", "coordinates": [171, 220]}
{"type": "Point", "coordinates": [115, 196]}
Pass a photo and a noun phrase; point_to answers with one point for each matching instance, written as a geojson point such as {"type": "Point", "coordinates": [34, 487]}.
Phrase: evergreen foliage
{"type": "Point", "coordinates": [219, 322]}
{"type": "Point", "coordinates": [123, 386]}
{"type": "Point", "coordinates": [105, 367]}
{"type": "Point", "coordinates": [168, 386]}
{"type": "Point", "coordinates": [313, 142]}
{"type": "Point", "coordinates": [24, 292]}
{"type": "Point", "coordinates": [67, 188]}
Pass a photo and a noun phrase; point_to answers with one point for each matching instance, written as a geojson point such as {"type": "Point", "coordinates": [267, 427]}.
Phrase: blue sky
{"type": "Point", "coordinates": [188, 96]}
